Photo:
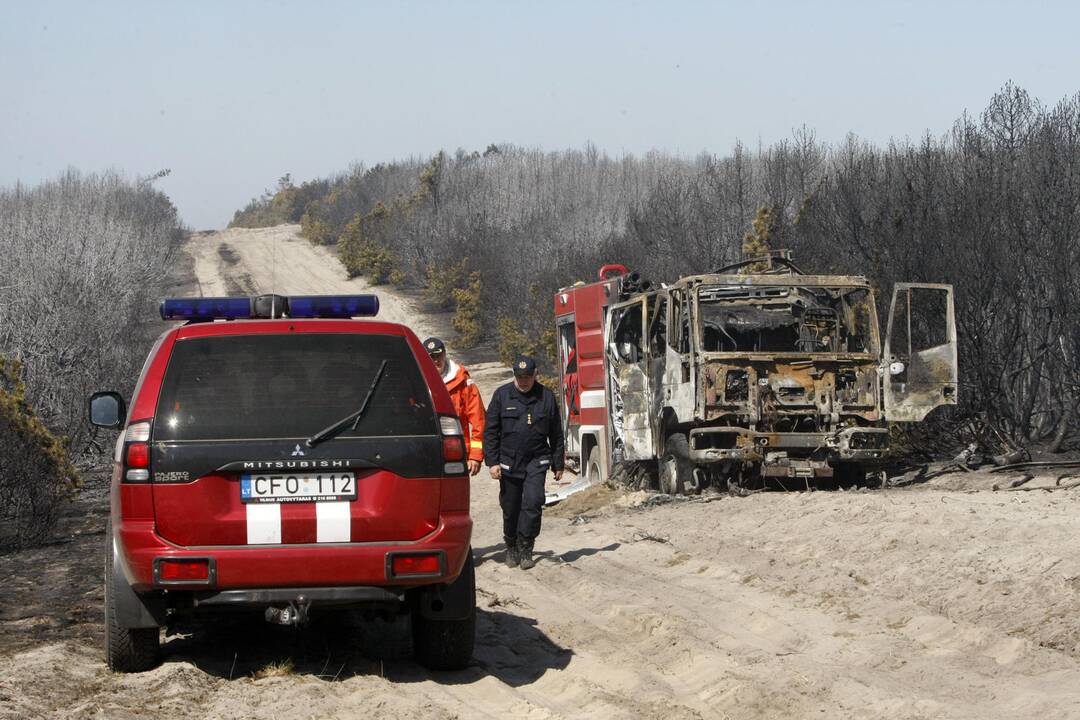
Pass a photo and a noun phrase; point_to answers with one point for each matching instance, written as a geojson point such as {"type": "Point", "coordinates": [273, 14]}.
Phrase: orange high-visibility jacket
{"type": "Point", "coordinates": [470, 408]}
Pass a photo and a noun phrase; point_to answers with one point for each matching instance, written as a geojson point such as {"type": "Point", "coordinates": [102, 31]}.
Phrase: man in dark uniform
{"type": "Point", "coordinates": [523, 438]}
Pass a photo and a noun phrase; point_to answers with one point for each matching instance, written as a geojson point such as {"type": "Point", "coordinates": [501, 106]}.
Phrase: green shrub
{"type": "Point", "coordinates": [255, 214]}
{"type": "Point", "coordinates": [509, 340]}
{"type": "Point", "coordinates": [467, 319]}
{"type": "Point", "coordinates": [362, 253]}
{"type": "Point", "coordinates": [36, 474]}
{"type": "Point", "coordinates": [376, 261]}
{"type": "Point", "coordinates": [349, 245]}
{"type": "Point", "coordinates": [756, 242]}
{"type": "Point", "coordinates": [443, 280]}
{"type": "Point", "coordinates": [537, 339]}
{"type": "Point", "coordinates": [316, 231]}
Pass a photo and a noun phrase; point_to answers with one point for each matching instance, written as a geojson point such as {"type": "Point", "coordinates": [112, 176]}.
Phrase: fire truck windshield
{"type": "Point", "coordinates": [777, 318]}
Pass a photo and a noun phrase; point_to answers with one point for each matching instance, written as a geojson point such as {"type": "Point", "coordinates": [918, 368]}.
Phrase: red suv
{"type": "Point", "coordinates": [279, 454]}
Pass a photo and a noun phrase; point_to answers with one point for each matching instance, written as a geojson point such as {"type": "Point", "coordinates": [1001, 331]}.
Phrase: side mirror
{"type": "Point", "coordinates": [107, 409]}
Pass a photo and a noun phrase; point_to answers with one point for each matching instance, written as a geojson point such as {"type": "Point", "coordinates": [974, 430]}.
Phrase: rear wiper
{"type": "Point", "coordinates": [353, 419]}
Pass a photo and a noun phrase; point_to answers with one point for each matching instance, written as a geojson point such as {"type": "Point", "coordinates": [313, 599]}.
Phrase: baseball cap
{"type": "Point", "coordinates": [434, 346]}
{"type": "Point", "coordinates": [524, 365]}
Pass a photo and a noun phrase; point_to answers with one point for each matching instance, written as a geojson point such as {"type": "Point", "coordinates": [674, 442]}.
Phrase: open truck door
{"type": "Point", "coordinates": [629, 386]}
{"type": "Point", "coordinates": [919, 362]}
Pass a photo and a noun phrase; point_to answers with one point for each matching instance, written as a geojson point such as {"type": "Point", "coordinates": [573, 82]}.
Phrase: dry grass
{"type": "Point", "coordinates": [279, 668]}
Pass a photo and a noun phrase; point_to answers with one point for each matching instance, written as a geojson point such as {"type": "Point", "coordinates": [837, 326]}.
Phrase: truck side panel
{"type": "Point", "coordinates": [579, 315]}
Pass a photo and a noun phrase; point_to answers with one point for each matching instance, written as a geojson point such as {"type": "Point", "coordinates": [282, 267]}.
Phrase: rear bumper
{"type": "Point", "coordinates": [314, 565]}
{"type": "Point", "coordinates": [726, 444]}
{"type": "Point", "coordinates": [261, 597]}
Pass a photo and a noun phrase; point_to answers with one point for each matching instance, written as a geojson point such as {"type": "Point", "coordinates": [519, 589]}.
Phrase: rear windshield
{"type": "Point", "coordinates": [290, 386]}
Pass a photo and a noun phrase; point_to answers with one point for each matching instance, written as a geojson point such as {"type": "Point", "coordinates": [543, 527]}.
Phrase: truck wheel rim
{"type": "Point", "coordinates": [669, 473]}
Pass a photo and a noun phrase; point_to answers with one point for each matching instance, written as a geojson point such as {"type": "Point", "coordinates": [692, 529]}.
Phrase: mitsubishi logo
{"type": "Point", "coordinates": [298, 452]}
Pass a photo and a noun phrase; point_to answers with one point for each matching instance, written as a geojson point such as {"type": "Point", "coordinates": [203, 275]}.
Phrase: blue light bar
{"type": "Point", "coordinates": [221, 308]}
{"type": "Point", "coordinates": [333, 306]}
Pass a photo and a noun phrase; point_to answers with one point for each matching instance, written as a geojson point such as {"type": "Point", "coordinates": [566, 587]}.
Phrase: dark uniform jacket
{"type": "Point", "coordinates": [523, 427]}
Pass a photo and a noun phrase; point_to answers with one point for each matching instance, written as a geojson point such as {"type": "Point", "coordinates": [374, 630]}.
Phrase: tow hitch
{"type": "Point", "coordinates": [295, 613]}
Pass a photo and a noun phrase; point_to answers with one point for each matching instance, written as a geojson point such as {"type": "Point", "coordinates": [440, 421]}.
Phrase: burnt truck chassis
{"type": "Point", "coordinates": [866, 446]}
{"type": "Point", "coordinates": [745, 380]}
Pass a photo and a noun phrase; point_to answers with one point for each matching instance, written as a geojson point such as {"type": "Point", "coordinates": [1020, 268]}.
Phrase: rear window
{"type": "Point", "coordinates": [290, 386]}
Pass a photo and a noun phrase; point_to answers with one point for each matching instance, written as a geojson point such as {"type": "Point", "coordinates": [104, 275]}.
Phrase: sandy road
{"type": "Point", "coordinates": [948, 600]}
{"type": "Point", "coordinates": [277, 260]}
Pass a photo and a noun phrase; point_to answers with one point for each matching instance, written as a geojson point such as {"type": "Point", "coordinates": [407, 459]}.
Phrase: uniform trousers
{"type": "Point", "coordinates": [522, 501]}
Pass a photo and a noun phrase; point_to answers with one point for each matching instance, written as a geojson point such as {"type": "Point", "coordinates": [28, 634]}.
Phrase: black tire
{"type": "Point", "coordinates": [127, 650]}
{"type": "Point", "coordinates": [592, 466]}
{"type": "Point", "coordinates": [676, 470]}
{"type": "Point", "coordinates": [447, 644]}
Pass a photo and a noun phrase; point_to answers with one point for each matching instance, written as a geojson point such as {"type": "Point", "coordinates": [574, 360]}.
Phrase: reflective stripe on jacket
{"type": "Point", "coordinates": [469, 406]}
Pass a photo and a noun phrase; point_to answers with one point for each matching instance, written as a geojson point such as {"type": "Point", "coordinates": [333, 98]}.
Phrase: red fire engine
{"type": "Point", "coordinates": [579, 317]}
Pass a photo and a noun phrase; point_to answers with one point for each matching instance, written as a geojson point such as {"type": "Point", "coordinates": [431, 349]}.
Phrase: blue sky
{"type": "Point", "coordinates": [230, 96]}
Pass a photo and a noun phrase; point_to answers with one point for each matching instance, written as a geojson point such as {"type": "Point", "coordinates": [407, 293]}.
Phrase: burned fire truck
{"type": "Point", "coordinates": [755, 374]}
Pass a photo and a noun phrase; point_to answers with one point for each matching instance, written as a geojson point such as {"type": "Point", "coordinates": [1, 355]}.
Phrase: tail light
{"type": "Point", "coordinates": [136, 454]}
{"type": "Point", "coordinates": [453, 449]}
{"type": "Point", "coordinates": [453, 445]}
{"type": "Point", "coordinates": [416, 564]}
{"type": "Point", "coordinates": [180, 571]}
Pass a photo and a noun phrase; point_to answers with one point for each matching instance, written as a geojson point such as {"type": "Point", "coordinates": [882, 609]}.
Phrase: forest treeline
{"type": "Point", "coordinates": [992, 206]}
{"type": "Point", "coordinates": [82, 258]}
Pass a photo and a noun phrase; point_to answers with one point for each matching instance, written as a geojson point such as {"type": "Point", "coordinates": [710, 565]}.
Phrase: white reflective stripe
{"type": "Point", "coordinates": [504, 466]}
{"type": "Point", "coordinates": [333, 522]}
{"type": "Point", "coordinates": [592, 399]}
{"type": "Point", "coordinates": [545, 462]}
{"type": "Point", "coordinates": [263, 523]}
{"type": "Point", "coordinates": [470, 382]}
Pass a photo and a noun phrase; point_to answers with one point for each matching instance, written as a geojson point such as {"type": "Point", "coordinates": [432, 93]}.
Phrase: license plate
{"type": "Point", "coordinates": [297, 487]}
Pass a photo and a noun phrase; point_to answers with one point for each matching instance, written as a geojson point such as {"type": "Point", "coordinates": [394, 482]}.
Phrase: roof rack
{"type": "Point", "coordinates": [777, 262]}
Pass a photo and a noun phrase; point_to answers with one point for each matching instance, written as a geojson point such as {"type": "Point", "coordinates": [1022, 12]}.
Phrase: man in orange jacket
{"type": "Point", "coordinates": [466, 397]}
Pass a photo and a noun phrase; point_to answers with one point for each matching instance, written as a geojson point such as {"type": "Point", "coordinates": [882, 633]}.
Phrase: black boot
{"type": "Point", "coordinates": [512, 558]}
{"type": "Point", "coordinates": [525, 554]}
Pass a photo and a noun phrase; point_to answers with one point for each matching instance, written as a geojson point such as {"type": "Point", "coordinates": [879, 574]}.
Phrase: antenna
{"type": "Point", "coordinates": [273, 276]}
